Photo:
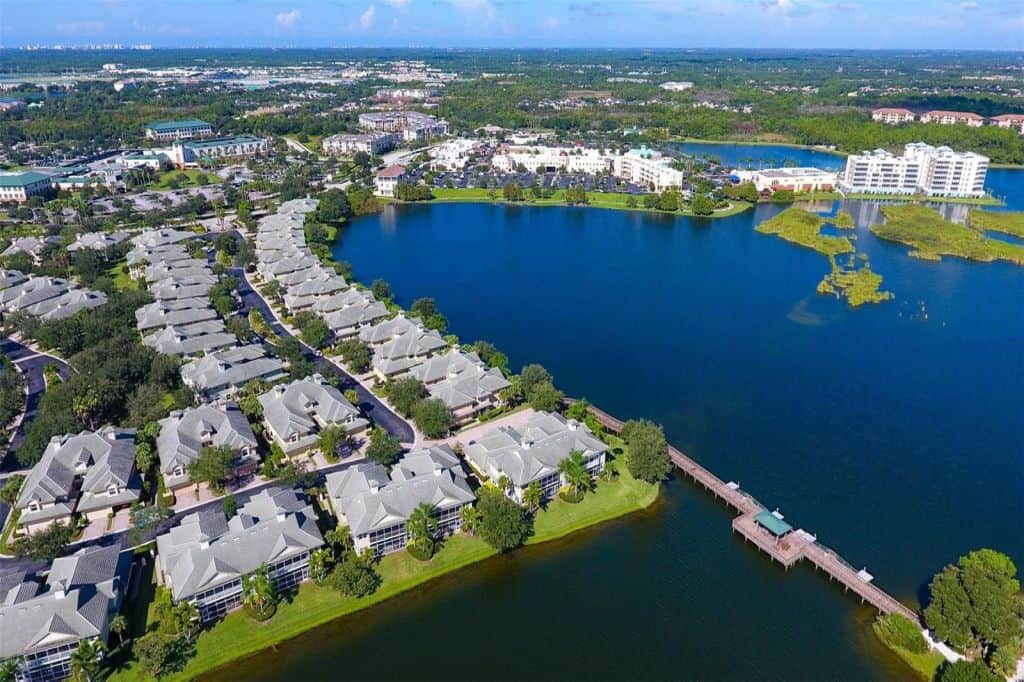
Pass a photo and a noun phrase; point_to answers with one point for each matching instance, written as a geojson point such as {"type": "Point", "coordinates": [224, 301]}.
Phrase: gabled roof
{"type": "Point", "coordinates": [184, 432]}
{"type": "Point", "coordinates": [295, 410]}
{"type": "Point", "coordinates": [232, 367]}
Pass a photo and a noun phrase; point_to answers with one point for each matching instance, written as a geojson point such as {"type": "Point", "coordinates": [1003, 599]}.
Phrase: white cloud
{"type": "Point", "coordinates": [551, 23]}
{"type": "Point", "coordinates": [482, 6]}
{"type": "Point", "coordinates": [288, 19]}
{"type": "Point", "coordinates": [398, 4]}
{"type": "Point", "coordinates": [366, 18]}
{"type": "Point", "coordinates": [970, 4]}
{"type": "Point", "coordinates": [81, 27]}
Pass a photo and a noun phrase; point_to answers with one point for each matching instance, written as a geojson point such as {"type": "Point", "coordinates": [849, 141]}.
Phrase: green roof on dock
{"type": "Point", "coordinates": [772, 523]}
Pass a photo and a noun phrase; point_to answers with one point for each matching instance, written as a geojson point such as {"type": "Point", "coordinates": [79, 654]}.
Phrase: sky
{"type": "Point", "coordinates": [873, 24]}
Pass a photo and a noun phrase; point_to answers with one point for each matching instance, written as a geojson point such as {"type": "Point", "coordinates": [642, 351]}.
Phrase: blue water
{"type": "Point", "coordinates": [893, 432]}
{"type": "Point", "coordinates": [762, 156]}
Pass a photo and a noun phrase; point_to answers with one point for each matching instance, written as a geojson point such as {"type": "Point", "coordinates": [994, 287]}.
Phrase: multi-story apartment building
{"type": "Point", "coordinates": [890, 116]}
{"type": "Point", "coordinates": [204, 559]}
{"type": "Point", "coordinates": [370, 143]}
{"type": "Point", "coordinates": [195, 151]}
{"type": "Point", "coordinates": [388, 179]}
{"type": "Point", "coordinates": [1009, 121]}
{"type": "Point", "coordinates": [648, 168]}
{"type": "Point", "coordinates": [296, 413]}
{"type": "Point", "coordinates": [546, 159]}
{"type": "Point", "coordinates": [411, 125]}
{"type": "Point", "coordinates": [948, 118]}
{"type": "Point", "coordinates": [932, 171]}
{"type": "Point", "coordinates": [375, 506]}
{"type": "Point", "coordinates": [168, 131]}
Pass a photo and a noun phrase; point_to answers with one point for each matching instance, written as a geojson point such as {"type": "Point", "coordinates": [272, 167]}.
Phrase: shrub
{"type": "Point", "coordinates": [898, 631]}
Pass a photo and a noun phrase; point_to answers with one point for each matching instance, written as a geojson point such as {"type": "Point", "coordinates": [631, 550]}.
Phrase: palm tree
{"type": "Point", "coordinates": [85, 661]}
{"type": "Point", "coordinates": [119, 626]}
{"type": "Point", "coordinates": [610, 471]}
{"type": "Point", "coordinates": [533, 496]}
{"type": "Point", "coordinates": [320, 561]}
{"type": "Point", "coordinates": [186, 618]}
{"type": "Point", "coordinates": [9, 668]}
{"type": "Point", "coordinates": [575, 473]}
{"type": "Point", "coordinates": [258, 590]}
{"type": "Point", "coordinates": [504, 484]}
{"type": "Point", "coordinates": [471, 518]}
{"type": "Point", "coordinates": [422, 528]}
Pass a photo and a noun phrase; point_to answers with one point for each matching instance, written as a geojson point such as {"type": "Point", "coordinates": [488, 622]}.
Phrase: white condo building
{"type": "Point", "coordinates": [933, 171]}
{"type": "Point", "coordinates": [641, 166]}
{"type": "Point", "coordinates": [649, 168]}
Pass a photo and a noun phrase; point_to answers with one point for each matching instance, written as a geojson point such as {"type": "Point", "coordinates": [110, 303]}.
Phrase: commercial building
{"type": "Point", "coordinates": [648, 168]}
{"type": "Point", "coordinates": [18, 187]}
{"type": "Point", "coordinates": [922, 169]}
{"type": "Point", "coordinates": [196, 151]}
{"type": "Point", "coordinates": [947, 118]}
{"type": "Point", "coordinates": [544, 159]}
{"type": "Point", "coordinates": [44, 619]}
{"type": "Point", "coordinates": [1015, 121]}
{"type": "Point", "coordinates": [375, 506]}
{"type": "Point", "coordinates": [533, 452]}
{"type": "Point", "coordinates": [168, 131]}
{"type": "Point", "coordinates": [892, 117]}
{"type": "Point", "coordinates": [793, 179]}
{"type": "Point", "coordinates": [90, 473]}
{"type": "Point", "coordinates": [204, 559]}
{"type": "Point", "coordinates": [453, 154]}
{"type": "Point", "coordinates": [370, 143]}
{"type": "Point", "coordinates": [184, 433]}
{"type": "Point", "coordinates": [296, 413]}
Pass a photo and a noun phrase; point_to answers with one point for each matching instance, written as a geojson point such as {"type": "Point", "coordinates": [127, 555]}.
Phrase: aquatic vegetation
{"type": "Point", "coordinates": [932, 236]}
{"type": "Point", "coordinates": [857, 285]}
{"type": "Point", "coordinates": [802, 227]}
{"type": "Point", "coordinates": [843, 220]}
{"type": "Point", "coordinates": [1007, 222]}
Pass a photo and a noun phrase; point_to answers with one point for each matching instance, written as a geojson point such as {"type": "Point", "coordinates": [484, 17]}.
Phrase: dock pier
{"type": "Point", "coordinates": [771, 534]}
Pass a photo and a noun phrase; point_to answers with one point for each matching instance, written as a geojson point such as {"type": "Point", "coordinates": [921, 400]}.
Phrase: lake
{"type": "Point", "coordinates": [892, 432]}
{"type": "Point", "coordinates": [762, 155]}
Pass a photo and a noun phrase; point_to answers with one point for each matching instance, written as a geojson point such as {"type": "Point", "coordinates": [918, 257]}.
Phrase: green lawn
{"type": "Point", "coordinates": [925, 665]}
{"type": "Point", "coordinates": [1007, 222]}
{"type": "Point", "coordinates": [237, 635]}
{"type": "Point", "coordinates": [122, 280]}
{"type": "Point", "coordinates": [610, 200]}
{"type": "Point", "coordinates": [187, 178]}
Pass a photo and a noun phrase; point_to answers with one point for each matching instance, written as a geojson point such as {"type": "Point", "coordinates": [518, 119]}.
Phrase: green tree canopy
{"type": "Point", "coordinates": [404, 393]}
{"type": "Point", "coordinates": [382, 449]}
{"type": "Point", "coordinates": [432, 417]}
{"type": "Point", "coordinates": [504, 525]}
{"type": "Point", "coordinates": [648, 450]}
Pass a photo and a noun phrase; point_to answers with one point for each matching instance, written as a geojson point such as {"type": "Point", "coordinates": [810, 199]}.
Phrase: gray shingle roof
{"type": "Point", "coordinates": [67, 304]}
{"type": "Point", "coordinates": [182, 311]}
{"type": "Point", "coordinates": [406, 350]}
{"type": "Point", "coordinates": [205, 551]}
{"type": "Point", "coordinates": [533, 450]}
{"type": "Point", "coordinates": [33, 246]}
{"type": "Point", "coordinates": [32, 291]}
{"type": "Point", "coordinates": [161, 237]}
{"type": "Point", "coordinates": [184, 433]}
{"type": "Point", "coordinates": [10, 278]}
{"type": "Point", "coordinates": [97, 241]}
{"type": "Point", "coordinates": [368, 500]}
{"type": "Point", "coordinates": [232, 367]}
{"type": "Point", "coordinates": [296, 412]}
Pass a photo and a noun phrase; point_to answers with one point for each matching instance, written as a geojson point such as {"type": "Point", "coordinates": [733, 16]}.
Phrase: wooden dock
{"type": "Point", "coordinates": [789, 549]}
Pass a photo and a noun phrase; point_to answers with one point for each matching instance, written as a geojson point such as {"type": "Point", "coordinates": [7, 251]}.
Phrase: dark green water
{"type": "Point", "coordinates": [893, 432]}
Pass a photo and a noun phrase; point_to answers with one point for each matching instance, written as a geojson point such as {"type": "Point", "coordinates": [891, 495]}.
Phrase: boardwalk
{"type": "Point", "coordinates": [791, 546]}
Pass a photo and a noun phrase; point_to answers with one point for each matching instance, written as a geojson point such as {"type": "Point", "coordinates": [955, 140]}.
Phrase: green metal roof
{"type": "Point", "coordinates": [773, 523]}
{"type": "Point", "coordinates": [21, 179]}
{"type": "Point", "coordinates": [175, 125]}
{"type": "Point", "coordinates": [220, 141]}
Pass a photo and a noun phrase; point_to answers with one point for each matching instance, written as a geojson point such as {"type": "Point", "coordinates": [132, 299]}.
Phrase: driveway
{"type": "Point", "coordinates": [370, 404]}
{"type": "Point", "coordinates": [31, 363]}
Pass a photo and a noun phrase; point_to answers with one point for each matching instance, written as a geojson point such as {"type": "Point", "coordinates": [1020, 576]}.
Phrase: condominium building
{"type": "Point", "coordinates": [388, 179]}
{"type": "Point", "coordinates": [545, 159]}
{"type": "Point", "coordinates": [1015, 121]}
{"type": "Point", "coordinates": [933, 171]}
{"type": "Point", "coordinates": [196, 151]}
{"type": "Point", "coordinates": [295, 414]}
{"type": "Point", "coordinates": [375, 506]}
{"type": "Point", "coordinates": [167, 131]}
{"type": "Point", "coordinates": [370, 143]}
{"type": "Point", "coordinates": [184, 434]}
{"type": "Point", "coordinates": [892, 117]}
{"type": "Point", "coordinates": [533, 452]}
{"type": "Point", "coordinates": [648, 168]}
{"type": "Point", "coordinates": [947, 118]}
{"type": "Point", "coordinates": [204, 559]}
{"type": "Point", "coordinates": [412, 126]}
{"type": "Point", "coordinates": [19, 187]}
{"type": "Point", "coordinates": [44, 618]}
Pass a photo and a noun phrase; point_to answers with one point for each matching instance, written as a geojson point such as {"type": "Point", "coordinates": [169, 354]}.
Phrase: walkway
{"type": "Point", "coordinates": [788, 549]}
{"type": "Point", "coordinates": [371, 405]}
{"type": "Point", "coordinates": [31, 363]}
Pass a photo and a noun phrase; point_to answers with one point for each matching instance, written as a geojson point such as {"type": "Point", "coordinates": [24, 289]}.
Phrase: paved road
{"type": "Point", "coordinates": [31, 365]}
{"type": "Point", "coordinates": [368, 402]}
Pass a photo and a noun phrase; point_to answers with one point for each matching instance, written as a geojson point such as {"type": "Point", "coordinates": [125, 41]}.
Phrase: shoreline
{"type": "Point", "coordinates": [791, 145]}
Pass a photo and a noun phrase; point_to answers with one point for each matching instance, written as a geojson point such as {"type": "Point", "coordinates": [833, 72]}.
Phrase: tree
{"type": "Point", "coordinates": [381, 290]}
{"type": "Point", "coordinates": [701, 204]}
{"type": "Point", "coordinates": [574, 471]}
{"type": "Point", "coordinates": [783, 196]}
{"type": "Point", "coordinates": [533, 496]}
{"type": "Point", "coordinates": [331, 438]}
{"type": "Point", "coordinates": [382, 449]}
{"type": "Point", "coordinates": [144, 457]}
{"type": "Point", "coordinates": [545, 397]}
{"type": "Point", "coordinates": [316, 333]}
{"type": "Point", "coordinates": [504, 525]}
{"type": "Point", "coordinates": [258, 592]}
{"type": "Point", "coordinates": [213, 465]}
{"type": "Point", "coordinates": [85, 660]}
{"type": "Point", "coordinates": [532, 375]}
{"type": "Point", "coordinates": [333, 206]}
{"type": "Point", "coordinates": [426, 310]}
{"type": "Point", "coordinates": [9, 668]}
{"type": "Point", "coordinates": [404, 393]}
{"type": "Point", "coordinates": [668, 201]}
{"type": "Point", "coordinates": [160, 655]}
{"type": "Point", "coordinates": [355, 354]}
{"type": "Point", "coordinates": [230, 506]}
{"type": "Point", "coordinates": [320, 562]}
{"type": "Point", "coordinates": [421, 528]}
{"type": "Point", "coordinates": [12, 489]}
{"type": "Point", "coordinates": [119, 626]}
{"type": "Point", "coordinates": [648, 451]}
{"type": "Point", "coordinates": [45, 544]}
{"type": "Point", "coordinates": [432, 417]}
{"type": "Point", "coordinates": [513, 192]}
{"type": "Point", "coordinates": [976, 604]}
{"type": "Point", "coordinates": [966, 671]}
{"type": "Point", "coordinates": [470, 518]}
{"type": "Point", "coordinates": [355, 576]}
{"type": "Point", "coordinates": [339, 538]}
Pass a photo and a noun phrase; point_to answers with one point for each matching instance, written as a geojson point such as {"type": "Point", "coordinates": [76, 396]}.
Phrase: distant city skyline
{"type": "Point", "coordinates": [869, 24]}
